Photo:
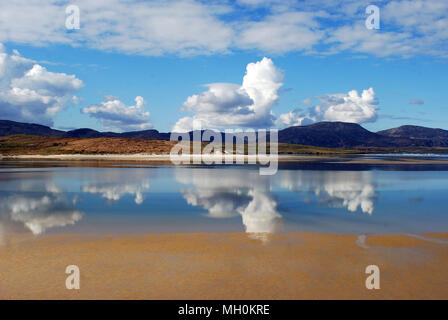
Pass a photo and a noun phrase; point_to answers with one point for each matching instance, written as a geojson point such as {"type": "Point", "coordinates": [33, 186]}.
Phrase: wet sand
{"type": "Point", "coordinates": [224, 266]}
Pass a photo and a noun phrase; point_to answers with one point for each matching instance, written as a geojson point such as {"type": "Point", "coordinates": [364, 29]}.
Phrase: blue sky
{"type": "Point", "coordinates": [319, 51]}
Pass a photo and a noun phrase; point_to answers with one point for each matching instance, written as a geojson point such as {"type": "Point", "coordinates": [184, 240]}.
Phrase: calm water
{"type": "Point", "coordinates": [43, 198]}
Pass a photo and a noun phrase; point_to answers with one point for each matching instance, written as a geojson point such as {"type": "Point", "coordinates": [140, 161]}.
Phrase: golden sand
{"type": "Point", "coordinates": [223, 266]}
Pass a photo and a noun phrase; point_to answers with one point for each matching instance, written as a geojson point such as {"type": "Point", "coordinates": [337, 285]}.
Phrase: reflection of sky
{"type": "Point", "coordinates": [227, 193]}
{"type": "Point", "coordinates": [118, 183]}
{"type": "Point", "coordinates": [152, 200]}
{"type": "Point", "coordinates": [35, 206]}
{"type": "Point", "coordinates": [348, 189]}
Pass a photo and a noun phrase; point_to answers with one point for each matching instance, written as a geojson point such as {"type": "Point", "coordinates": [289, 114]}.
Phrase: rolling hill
{"type": "Point", "coordinates": [428, 136]}
{"type": "Point", "coordinates": [11, 127]}
{"type": "Point", "coordinates": [334, 135]}
{"type": "Point", "coordinates": [322, 134]}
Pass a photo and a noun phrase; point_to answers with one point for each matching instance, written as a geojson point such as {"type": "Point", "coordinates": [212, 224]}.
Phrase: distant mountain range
{"type": "Point", "coordinates": [322, 134]}
{"type": "Point", "coordinates": [349, 135]}
{"type": "Point", "coordinates": [8, 127]}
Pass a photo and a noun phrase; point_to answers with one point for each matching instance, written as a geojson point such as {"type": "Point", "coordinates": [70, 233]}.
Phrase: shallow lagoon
{"type": "Point", "coordinates": [62, 197]}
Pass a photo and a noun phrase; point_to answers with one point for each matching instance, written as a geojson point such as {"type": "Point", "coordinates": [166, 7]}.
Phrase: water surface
{"type": "Point", "coordinates": [62, 197]}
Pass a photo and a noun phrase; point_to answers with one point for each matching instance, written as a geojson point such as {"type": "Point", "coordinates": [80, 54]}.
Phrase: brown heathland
{"type": "Point", "coordinates": [36, 145]}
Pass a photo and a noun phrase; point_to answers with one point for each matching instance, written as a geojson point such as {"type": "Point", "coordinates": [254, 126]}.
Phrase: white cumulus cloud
{"type": "Point", "coordinates": [350, 107]}
{"type": "Point", "coordinates": [230, 105]}
{"type": "Point", "coordinates": [115, 115]}
{"type": "Point", "coordinates": [31, 93]}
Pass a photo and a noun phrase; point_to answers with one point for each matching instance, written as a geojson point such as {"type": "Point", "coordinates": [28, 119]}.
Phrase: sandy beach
{"type": "Point", "coordinates": [224, 266]}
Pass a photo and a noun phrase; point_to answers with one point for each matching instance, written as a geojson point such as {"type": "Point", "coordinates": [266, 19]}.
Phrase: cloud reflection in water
{"type": "Point", "coordinates": [45, 200]}
{"type": "Point", "coordinates": [347, 189]}
{"type": "Point", "coordinates": [229, 193]}
{"type": "Point", "coordinates": [38, 207]}
{"type": "Point", "coordinates": [114, 184]}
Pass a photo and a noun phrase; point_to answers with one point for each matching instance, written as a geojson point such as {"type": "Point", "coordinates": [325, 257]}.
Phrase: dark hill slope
{"type": "Point", "coordinates": [427, 136]}
{"type": "Point", "coordinates": [11, 127]}
{"type": "Point", "coordinates": [335, 135]}
{"type": "Point", "coordinates": [322, 134]}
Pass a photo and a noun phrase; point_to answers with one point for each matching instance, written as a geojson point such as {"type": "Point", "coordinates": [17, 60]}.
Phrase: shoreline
{"type": "Point", "coordinates": [224, 266]}
{"type": "Point", "coordinates": [331, 158]}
